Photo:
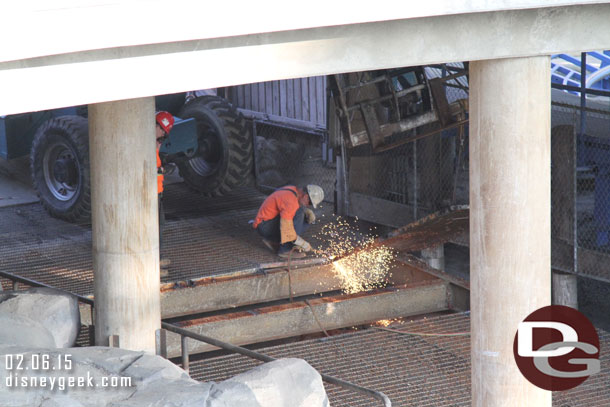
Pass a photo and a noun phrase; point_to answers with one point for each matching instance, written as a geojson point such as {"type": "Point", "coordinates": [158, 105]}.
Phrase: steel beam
{"type": "Point", "coordinates": [215, 293]}
{"type": "Point", "coordinates": [296, 318]}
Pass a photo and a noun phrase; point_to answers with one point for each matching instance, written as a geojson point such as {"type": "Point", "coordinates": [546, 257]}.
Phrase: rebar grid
{"type": "Point", "coordinates": [411, 370]}
{"type": "Point", "coordinates": [203, 236]}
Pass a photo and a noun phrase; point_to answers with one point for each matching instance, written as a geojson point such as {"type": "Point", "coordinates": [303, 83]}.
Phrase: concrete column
{"type": "Point", "coordinates": [434, 257]}
{"type": "Point", "coordinates": [565, 289]}
{"type": "Point", "coordinates": [125, 222]}
{"type": "Point", "coordinates": [510, 210]}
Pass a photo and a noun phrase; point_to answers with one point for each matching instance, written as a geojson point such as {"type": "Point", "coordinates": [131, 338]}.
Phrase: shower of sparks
{"type": "Point", "coordinates": [365, 269]}
{"type": "Point", "coordinates": [387, 322]}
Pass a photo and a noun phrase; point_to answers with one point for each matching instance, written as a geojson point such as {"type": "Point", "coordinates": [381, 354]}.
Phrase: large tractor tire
{"type": "Point", "coordinates": [59, 162]}
{"type": "Point", "coordinates": [224, 158]}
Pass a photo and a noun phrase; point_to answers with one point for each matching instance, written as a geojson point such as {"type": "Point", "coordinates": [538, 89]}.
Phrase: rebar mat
{"type": "Point", "coordinates": [411, 370]}
{"type": "Point", "coordinates": [203, 236]}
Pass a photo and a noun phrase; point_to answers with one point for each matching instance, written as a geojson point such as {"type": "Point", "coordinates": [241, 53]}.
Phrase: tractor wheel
{"type": "Point", "coordinates": [59, 162]}
{"type": "Point", "coordinates": [224, 157]}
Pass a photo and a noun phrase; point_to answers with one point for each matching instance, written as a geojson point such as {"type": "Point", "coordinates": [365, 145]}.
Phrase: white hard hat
{"type": "Point", "coordinates": [316, 194]}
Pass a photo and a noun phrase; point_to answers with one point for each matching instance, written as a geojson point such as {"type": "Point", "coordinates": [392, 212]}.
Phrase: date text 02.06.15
{"type": "Point", "coordinates": [37, 361]}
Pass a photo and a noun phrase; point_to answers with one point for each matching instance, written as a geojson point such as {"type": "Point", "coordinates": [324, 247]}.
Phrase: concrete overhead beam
{"type": "Point", "coordinates": [135, 23]}
{"type": "Point", "coordinates": [192, 61]}
{"type": "Point", "coordinates": [295, 319]}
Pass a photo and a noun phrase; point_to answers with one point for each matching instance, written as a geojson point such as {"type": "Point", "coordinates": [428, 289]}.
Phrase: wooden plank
{"type": "Point", "coordinates": [275, 86]}
{"type": "Point", "coordinates": [321, 97]}
{"type": "Point", "coordinates": [240, 96]}
{"type": "Point", "coordinates": [283, 101]}
{"type": "Point", "coordinates": [313, 105]}
{"type": "Point", "coordinates": [290, 99]}
{"type": "Point", "coordinates": [261, 97]}
{"type": "Point", "coordinates": [247, 97]}
{"type": "Point", "coordinates": [298, 111]}
{"type": "Point", "coordinates": [255, 89]}
{"type": "Point", "coordinates": [233, 95]}
{"type": "Point", "coordinates": [268, 97]}
{"type": "Point", "coordinates": [304, 96]}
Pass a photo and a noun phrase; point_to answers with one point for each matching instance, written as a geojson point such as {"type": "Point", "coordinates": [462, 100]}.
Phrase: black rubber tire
{"type": "Point", "coordinates": [225, 156]}
{"type": "Point", "coordinates": [65, 139]}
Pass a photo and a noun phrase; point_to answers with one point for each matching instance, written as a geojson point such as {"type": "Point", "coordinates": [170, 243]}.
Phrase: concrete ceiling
{"type": "Point", "coordinates": [71, 52]}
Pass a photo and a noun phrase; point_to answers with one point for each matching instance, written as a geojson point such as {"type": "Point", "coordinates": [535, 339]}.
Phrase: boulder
{"type": "Point", "coordinates": [39, 317]}
{"type": "Point", "coordinates": [281, 383]}
{"type": "Point", "coordinates": [138, 379]}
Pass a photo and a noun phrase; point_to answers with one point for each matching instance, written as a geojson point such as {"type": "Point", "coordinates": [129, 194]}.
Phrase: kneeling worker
{"type": "Point", "coordinates": [284, 216]}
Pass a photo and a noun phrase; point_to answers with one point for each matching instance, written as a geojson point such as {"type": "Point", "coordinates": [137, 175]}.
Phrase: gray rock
{"type": "Point", "coordinates": [32, 311]}
{"type": "Point", "coordinates": [146, 380]}
{"type": "Point", "coordinates": [17, 329]}
{"type": "Point", "coordinates": [281, 383]}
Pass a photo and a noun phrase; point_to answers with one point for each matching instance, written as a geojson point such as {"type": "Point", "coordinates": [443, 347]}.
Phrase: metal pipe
{"type": "Point", "coordinates": [264, 358]}
{"type": "Point", "coordinates": [346, 200]}
{"type": "Point", "coordinates": [583, 92]}
{"type": "Point", "coordinates": [34, 283]}
{"type": "Point", "coordinates": [415, 189]}
{"type": "Point", "coordinates": [185, 352]}
{"type": "Point", "coordinates": [583, 128]}
{"type": "Point", "coordinates": [597, 92]}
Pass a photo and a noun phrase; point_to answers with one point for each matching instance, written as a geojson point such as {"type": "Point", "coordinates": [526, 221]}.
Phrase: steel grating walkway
{"type": "Point", "coordinates": [202, 237]}
{"type": "Point", "coordinates": [410, 370]}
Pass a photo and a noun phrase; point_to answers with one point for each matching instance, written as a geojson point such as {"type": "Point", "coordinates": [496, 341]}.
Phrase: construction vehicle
{"type": "Point", "coordinates": [210, 145]}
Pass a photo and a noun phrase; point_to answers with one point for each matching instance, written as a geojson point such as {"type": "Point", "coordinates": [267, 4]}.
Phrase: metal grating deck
{"type": "Point", "coordinates": [410, 370]}
{"type": "Point", "coordinates": [202, 237]}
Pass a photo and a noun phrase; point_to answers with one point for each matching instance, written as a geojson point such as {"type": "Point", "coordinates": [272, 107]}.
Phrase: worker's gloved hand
{"type": "Point", "coordinates": [302, 244]}
{"type": "Point", "coordinates": [310, 217]}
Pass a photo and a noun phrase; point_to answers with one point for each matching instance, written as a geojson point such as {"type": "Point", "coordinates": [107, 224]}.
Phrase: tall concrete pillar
{"type": "Point", "coordinates": [510, 246]}
{"type": "Point", "coordinates": [125, 222]}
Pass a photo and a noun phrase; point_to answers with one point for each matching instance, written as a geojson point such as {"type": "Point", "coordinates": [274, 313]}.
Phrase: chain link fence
{"type": "Point", "coordinates": [581, 184]}
{"type": "Point", "coordinates": [422, 176]}
{"type": "Point", "coordinates": [426, 174]}
{"type": "Point", "coordinates": [286, 155]}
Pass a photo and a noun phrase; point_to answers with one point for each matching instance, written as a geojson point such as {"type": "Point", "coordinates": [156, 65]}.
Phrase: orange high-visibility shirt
{"type": "Point", "coordinates": [283, 202]}
{"type": "Point", "coordinates": [160, 176]}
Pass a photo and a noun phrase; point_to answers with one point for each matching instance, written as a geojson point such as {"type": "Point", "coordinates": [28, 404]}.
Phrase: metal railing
{"type": "Point", "coordinates": [184, 334]}
{"type": "Point", "coordinates": [263, 358]}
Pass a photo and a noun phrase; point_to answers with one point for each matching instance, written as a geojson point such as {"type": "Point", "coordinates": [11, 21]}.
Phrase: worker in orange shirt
{"type": "Point", "coordinates": [165, 122]}
{"type": "Point", "coordinates": [285, 215]}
